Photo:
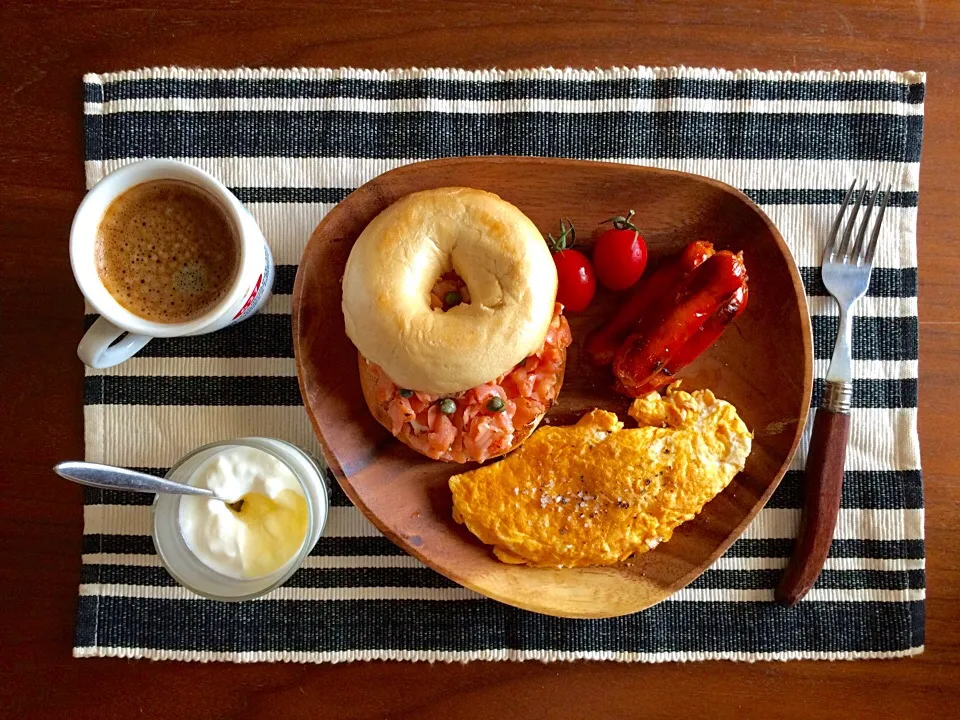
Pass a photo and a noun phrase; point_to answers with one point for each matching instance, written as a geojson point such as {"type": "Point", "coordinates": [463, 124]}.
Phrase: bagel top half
{"type": "Point", "coordinates": [493, 247]}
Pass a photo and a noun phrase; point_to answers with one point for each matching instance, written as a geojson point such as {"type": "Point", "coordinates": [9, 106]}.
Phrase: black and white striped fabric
{"type": "Point", "coordinates": [292, 143]}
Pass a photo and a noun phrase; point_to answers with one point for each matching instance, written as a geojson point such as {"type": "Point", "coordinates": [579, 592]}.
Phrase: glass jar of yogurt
{"type": "Point", "coordinates": [243, 549]}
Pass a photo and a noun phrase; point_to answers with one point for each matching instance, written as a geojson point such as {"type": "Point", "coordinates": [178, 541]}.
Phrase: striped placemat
{"type": "Point", "coordinates": [292, 143]}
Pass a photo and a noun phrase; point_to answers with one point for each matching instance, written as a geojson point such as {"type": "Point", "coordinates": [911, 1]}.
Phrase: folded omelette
{"type": "Point", "coordinates": [594, 493]}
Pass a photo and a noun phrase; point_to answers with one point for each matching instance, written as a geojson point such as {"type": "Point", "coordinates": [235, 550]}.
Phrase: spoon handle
{"type": "Point", "coordinates": [109, 477]}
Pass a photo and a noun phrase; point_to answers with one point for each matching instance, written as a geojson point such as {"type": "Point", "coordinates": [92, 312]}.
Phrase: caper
{"type": "Point", "coordinates": [448, 406]}
{"type": "Point", "coordinates": [452, 298]}
{"type": "Point", "coordinates": [495, 404]}
{"type": "Point", "coordinates": [406, 393]}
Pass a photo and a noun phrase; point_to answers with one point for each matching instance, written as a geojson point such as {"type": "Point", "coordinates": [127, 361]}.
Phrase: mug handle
{"type": "Point", "coordinates": [96, 350]}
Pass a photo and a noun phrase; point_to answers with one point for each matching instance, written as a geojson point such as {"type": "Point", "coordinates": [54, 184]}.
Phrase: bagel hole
{"type": "Point", "coordinates": [448, 291]}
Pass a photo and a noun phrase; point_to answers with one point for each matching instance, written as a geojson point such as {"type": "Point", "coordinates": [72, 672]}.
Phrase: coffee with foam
{"type": "Point", "coordinates": [167, 251]}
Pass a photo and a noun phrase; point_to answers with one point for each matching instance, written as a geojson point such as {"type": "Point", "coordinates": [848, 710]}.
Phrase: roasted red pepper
{"type": "Point", "coordinates": [675, 321]}
{"type": "Point", "coordinates": [602, 344]}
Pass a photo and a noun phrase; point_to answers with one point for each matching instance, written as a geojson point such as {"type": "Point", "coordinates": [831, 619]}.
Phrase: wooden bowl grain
{"type": "Point", "coordinates": [763, 364]}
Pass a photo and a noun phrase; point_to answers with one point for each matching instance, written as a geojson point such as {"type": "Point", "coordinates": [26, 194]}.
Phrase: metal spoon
{"type": "Point", "coordinates": [109, 477]}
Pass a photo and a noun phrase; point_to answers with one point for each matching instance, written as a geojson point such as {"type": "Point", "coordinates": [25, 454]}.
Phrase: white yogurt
{"type": "Point", "coordinates": [266, 533]}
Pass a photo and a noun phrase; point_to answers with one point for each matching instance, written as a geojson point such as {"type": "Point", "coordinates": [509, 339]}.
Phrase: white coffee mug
{"type": "Point", "coordinates": [251, 287]}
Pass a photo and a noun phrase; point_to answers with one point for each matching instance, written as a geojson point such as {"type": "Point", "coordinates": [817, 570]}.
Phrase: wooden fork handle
{"type": "Point", "coordinates": [821, 504]}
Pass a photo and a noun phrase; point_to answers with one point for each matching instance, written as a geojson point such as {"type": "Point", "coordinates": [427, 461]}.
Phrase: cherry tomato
{"type": "Point", "coordinates": [620, 254]}
{"type": "Point", "coordinates": [576, 281]}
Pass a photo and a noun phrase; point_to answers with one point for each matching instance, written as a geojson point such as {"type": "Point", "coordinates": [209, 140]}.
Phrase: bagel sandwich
{"type": "Point", "coordinates": [449, 296]}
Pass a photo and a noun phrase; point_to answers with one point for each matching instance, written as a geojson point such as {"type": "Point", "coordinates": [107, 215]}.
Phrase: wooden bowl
{"type": "Point", "coordinates": [763, 364]}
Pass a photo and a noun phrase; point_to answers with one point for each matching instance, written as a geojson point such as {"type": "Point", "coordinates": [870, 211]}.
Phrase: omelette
{"type": "Point", "coordinates": [595, 493]}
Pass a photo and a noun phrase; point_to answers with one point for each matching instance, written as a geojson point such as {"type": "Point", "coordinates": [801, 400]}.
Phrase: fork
{"type": "Point", "coordinates": [847, 262]}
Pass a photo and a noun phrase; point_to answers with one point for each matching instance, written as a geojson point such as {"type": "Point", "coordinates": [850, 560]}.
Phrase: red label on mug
{"type": "Point", "coordinates": [250, 300]}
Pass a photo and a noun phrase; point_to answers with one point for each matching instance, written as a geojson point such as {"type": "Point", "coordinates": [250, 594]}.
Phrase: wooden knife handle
{"type": "Point", "coordinates": [821, 503]}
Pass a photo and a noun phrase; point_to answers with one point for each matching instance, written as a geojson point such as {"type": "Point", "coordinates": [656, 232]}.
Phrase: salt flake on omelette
{"type": "Point", "coordinates": [594, 493]}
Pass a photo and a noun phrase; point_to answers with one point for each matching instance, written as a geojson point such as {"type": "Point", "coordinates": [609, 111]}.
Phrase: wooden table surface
{"type": "Point", "coordinates": [44, 49]}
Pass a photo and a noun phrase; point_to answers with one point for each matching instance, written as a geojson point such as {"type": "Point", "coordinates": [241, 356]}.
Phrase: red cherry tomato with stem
{"type": "Point", "coordinates": [576, 281]}
{"type": "Point", "coordinates": [620, 254]}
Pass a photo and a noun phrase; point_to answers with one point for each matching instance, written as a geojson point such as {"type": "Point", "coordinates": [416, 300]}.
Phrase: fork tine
{"type": "Point", "coordinates": [831, 247]}
{"type": "Point", "coordinates": [872, 249]}
{"type": "Point", "coordinates": [855, 251]}
{"type": "Point", "coordinates": [848, 229]}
